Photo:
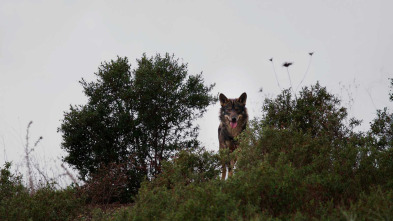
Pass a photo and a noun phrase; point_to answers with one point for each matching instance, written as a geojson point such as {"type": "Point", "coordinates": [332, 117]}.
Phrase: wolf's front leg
{"type": "Point", "coordinates": [231, 167]}
{"type": "Point", "coordinates": [223, 171]}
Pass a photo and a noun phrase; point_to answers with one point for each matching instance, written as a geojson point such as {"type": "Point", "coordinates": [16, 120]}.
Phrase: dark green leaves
{"type": "Point", "coordinates": [138, 117]}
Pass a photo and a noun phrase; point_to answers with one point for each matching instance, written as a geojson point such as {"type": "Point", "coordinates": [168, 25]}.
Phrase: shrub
{"type": "Point", "coordinates": [47, 203]}
{"type": "Point", "coordinates": [376, 205]}
{"type": "Point", "coordinates": [188, 188]}
{"type": "Point", "coordinates": [13, 195]}
{"type": "Point", "coordinates": [138, 117]}
{"type": "Point", "coordinates": [302, 160]}
{"type": "Point", "coordinates": [108, 185]}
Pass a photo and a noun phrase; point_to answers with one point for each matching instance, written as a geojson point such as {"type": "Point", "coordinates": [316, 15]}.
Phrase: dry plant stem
{"type": "Point", "coordinates": [290, 81]}
{"type": "Point", "coordinates": [41, 172]}
{"type": "Point", "coordinates": [305, 74]}
{"type": "Point", "coordinates": [28, 150]}
{"type": "Point", "coordinates": [27, 158]}
{"type": "Point", "coordinates": [275, 74]}
{"type": "Point", "coordinates": [67, 172]}
{"type": "Point", "coordinates": [371, 98]}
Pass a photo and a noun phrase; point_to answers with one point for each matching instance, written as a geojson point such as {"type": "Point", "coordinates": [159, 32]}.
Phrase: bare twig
{"type": "Point", "coordinates": [275, 73]}
{"type": "Point", "coordinates": [371, 98]}
{"type": "Point", "coordinates": [27, 158]}
{"type": "Point", "coordinates": [308, 67]}
{"type": "Point", "coordinates": [41, 173]}
{"type": "Point", "coordinates": [67, 172]}
{"type": "Point", "coordinates": [29, 161]}
{"type": "Point", "coordinates": [36, 143]}
{"type": "Point", "coordinates": [287, 64]}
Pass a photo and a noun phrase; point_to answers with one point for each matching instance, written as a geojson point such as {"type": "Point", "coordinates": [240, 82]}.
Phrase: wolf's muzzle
{"type": "Point", "coordinates": [233, 122]}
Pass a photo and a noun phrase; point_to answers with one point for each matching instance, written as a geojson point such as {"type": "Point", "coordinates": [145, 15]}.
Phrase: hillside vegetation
{"type": "Point", "coordinates": [302, 160]}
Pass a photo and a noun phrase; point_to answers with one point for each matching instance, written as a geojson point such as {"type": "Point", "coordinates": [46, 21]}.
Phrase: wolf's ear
{"type": "Point", "coordinates": [243, 98]}
{"type": "Point", "coordinates": [223, 99]}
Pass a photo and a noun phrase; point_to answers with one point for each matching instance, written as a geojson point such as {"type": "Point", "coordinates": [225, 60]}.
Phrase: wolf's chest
{"type": "Point", "coordinates": [234, 132]}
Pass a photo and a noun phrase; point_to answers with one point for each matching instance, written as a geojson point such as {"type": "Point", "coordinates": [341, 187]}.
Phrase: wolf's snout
{"type": "Point", "coordinates": [233, 122]}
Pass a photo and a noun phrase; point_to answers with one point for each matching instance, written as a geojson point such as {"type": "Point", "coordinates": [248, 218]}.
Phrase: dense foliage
{"type": "Point", "coordinates": [47, 203]}
{"type": "Point", "coordinates": [134, 120]}
{"type": "Point", "coordinates": [302, 159]}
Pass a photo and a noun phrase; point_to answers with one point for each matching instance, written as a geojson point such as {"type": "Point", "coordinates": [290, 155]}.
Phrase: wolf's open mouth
{"type": "Point", "coordinates": [233, 124]}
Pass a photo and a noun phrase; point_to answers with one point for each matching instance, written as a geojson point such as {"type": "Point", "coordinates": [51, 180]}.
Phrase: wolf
{"type": "Point", "coordinates": [233, 120]}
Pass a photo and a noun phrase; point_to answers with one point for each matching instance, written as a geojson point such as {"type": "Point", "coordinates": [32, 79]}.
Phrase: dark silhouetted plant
{"type": "Point", "coordinates": [302, 160]}
{"type": "Point", "coordinates": [138, 118]}
{"type": "Point", "coordinates": [45, 203]}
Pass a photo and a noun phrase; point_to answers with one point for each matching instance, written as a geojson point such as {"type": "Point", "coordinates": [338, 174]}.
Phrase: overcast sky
{"type": "Point", "coordinates": [46, 47]}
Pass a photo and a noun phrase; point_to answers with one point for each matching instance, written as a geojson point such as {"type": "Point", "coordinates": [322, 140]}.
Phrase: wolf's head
{"type": "Point", "coordinates": [233, 111]}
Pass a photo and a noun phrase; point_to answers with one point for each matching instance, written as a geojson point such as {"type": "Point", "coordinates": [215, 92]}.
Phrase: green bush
{"type": "Point", "coordinates": [13, 195]}
{"type": "Point", "coordinates": [376, 205]}
{"type": "Point", "coordinates": [187, 189]}
{"type": "Point", "coordinates": [46, 203]}
{"type": "Point", "coordinates": [134, 118]}
{"type": "Point", "coordinates": [302, 160]}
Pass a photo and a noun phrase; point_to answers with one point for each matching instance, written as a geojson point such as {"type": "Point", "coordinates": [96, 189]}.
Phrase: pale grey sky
{"type": "Point", "coordinates": [46, 47]}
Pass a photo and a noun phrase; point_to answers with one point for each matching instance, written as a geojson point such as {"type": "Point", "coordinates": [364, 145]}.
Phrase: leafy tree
{"type": "Point", "coordinates": [135, 118]}
{"type": "Point", "coordinates": [382, 126]}
{"type": "Point", "coordinates": [316, 112]}
{"type": "Point", "coordinates": [168, 102]}
{"type": "Point", "coordinates": [381, 136]}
